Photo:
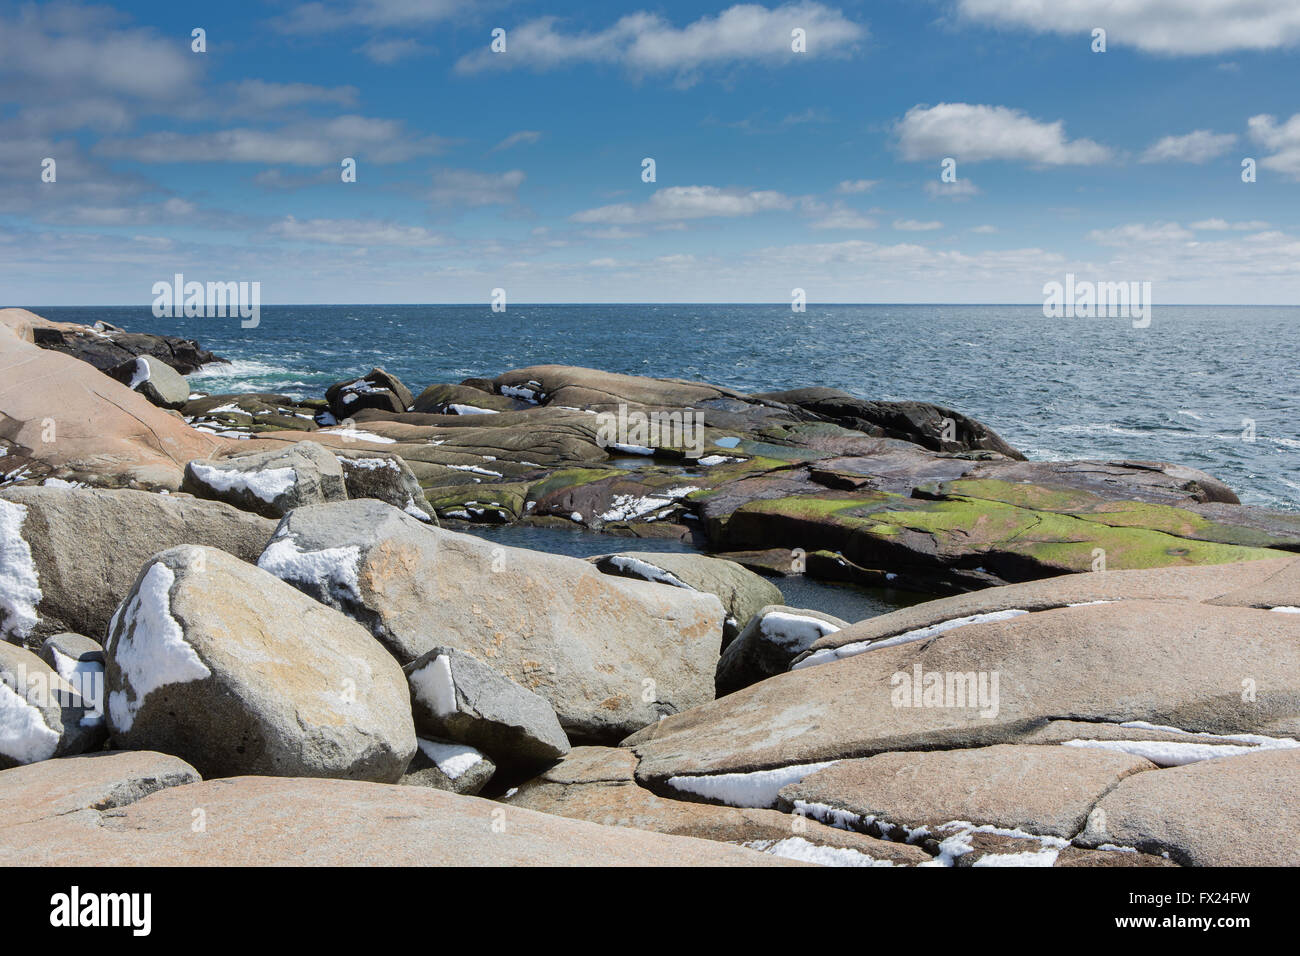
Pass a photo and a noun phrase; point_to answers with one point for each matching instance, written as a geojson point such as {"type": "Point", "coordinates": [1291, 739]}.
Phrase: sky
{"type": "Point", "coordinates": [775, 169]}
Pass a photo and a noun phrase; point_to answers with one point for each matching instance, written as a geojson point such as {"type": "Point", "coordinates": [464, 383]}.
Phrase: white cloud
{"type": "Point", "coordinates": [1222, 225]}
{"type": "Point", "coordinates": [842, 217]}
{"type": "Point", "coordinates": [524, 136]}
{"type": "Point", "coordinates": [970, 133]}
{"type": "Point", "coordinates": [1139, 232]}
{"type": "Point", "coordinates": [62, 51]}
{"type": "Point", "coordinates": [962, 189]}
{"type": "Point", "coordinates": [913, 225]}
{"type": "Point", "coordinates": [317, 17]}
{"type": "Point", "coordinates": [259, 95]}
{"type": "Point", "coordinates": [985, 230]}
{"type": "Point", "coordinates": [306, 143]}
{"type": "Point", "coordinates": [1198, 146]}
{"type": "Point", "coordinates": [857, 185]}
{"type": "Point", "coordinates": [354, 232]}
{"type": "Point", "coordinates": [1283, 140]}
{"type": "Point", "coordinates": [1156, 26]}
{"type": "Point", "coordinates": [647, 43]}
{"type": "Point", "coordinates": [468, 187]}
{"type": "Point", "coordinates": [386, 50]}
{"type": "Point", "coordinates": [688, 202]}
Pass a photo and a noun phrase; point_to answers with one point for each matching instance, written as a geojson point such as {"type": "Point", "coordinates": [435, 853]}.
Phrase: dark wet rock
{"type": "Point", "coordinates": [931, 426]}
{"type": "Point", "coordinates": [153, 379]}
{"type": "Point", "coordinates": [376, 389]}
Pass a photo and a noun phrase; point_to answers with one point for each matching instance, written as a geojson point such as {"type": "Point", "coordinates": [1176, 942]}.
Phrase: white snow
{"type": "Point", "coordinates": [452, 759]}
{"type": "Point", "coordinates": [456, 409]}
{"type": "Point", "coordinates": [797, 848]}
{"type": "Point", "coordinates": [267, 484]}
{"type": "Point", "coordinates": [1286, 609]}
{"type": "Point", "coordinates": [648, 571]}
{"type": "Point", "coordinates": [758, 788]}
{"type": "Point", "coordinates": [631, 449]}
{"type": "Point", "coordinates": [140, 375]}
{"type": "Point", "coordinates": [1043, 849]}
{"type": "Point", "coordinates": [87, 679]}
{"type": "Point", "coordinates": [20, 588]}
{"type": "Point", "coordinates": [475, 469]}
{"type": "Point", "coordinates": [24, 735]}
{"type": "Point", "coordinates": [628, 507]}
{"type": "Point", "coordinates": [369, 464]}
{"type": "Point", "coordinates": [150, 649]}
{"type": "Point", "coordinates": [708, 461]}
{"type": "Point", "coordinates": [434, 685]}
{"type": "Point", "coordinates": [1176, 753]}
{"type": "Point", "coordinates": [828, 654]}
{"type": "Point", "coordinates": [411, 509]}
{"type": "Point", "coordinates": [795, 632]}
{"type": "Point", "coordinates": [357, 434]}
{"type": "Point", "coordinates": [330, 569]}
{"type": "Point", "coordinates": [520, 392]}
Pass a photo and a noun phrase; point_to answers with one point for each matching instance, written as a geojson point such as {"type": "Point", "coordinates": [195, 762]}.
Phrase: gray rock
{"type": "Point", "coordinates": [772, 639]}
{"type": "Point", "coordinates": [1045, 791]}
{"type": "Point", "coordinates": [264, 821]}
{"type": "Point", "coordinates": [443, 765]}
{"type": "Point", "coordinates": [1235, 811]}
{"type": "Point", "coordinates": [597, 784]}
{"type": "Point", "coordinates": [1164, 663]}
{"type": "Point", "coordinates": [742, 592]}
{"type": "Point", "coordinates": [80, 662]}
{"type": "Point", "coordinates": [79, 551]}
{"type": "Point", "coordinates": [83, 787]}
{"type": "Point", "coordinates": [270, 483]}
{"type": "Point", "coordinates": [387, 478]}
{"type": "Point", "coordinates": [458, 698]}
{"type": "Point", "coordinates": [154, 379]}
{"type": "Point", "coordinates": [41, 715]}
{"type": "Point", "coordinates": [220, 663]}
{"type": "Point", "coordinates": [609, 654]}
{"type": "Point", "coordinates": [376, 389]}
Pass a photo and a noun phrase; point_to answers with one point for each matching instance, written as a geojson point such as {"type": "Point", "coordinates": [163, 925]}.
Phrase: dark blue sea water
{"type": "Point", "coordinates": [1180, 390]}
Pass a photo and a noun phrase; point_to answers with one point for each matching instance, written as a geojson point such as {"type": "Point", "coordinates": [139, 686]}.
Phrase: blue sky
{"type": "Point", "coordinates": [522, 170]}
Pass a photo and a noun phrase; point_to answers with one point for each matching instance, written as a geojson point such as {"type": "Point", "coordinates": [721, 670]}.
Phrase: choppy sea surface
{"type": "Point", "coordinates": [1195, 387]}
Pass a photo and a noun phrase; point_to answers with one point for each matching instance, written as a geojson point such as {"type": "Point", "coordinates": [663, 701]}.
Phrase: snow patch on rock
{"type": "Point", "coordinates": [150, 649]}
{"type": "Point", "coordinates": [828, 654]}
{"type": "Point", "coordinates": [267, 484]}
{"type": "Point", "coordinates": [758, 788]}
{"type": "Point", "coordinates": [331, 570]}
{"type": "Point", "coordinates": [20, 587]}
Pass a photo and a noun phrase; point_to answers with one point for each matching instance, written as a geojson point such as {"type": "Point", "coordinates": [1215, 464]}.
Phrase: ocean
{"type": "Point", "coordinates": [1213, 387]}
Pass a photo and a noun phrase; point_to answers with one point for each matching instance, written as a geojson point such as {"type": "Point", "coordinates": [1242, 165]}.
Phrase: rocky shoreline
{"type": "Point", "coordinates": [252, 607]}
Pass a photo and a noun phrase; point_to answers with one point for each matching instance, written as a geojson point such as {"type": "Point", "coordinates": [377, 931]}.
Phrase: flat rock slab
{"type": "Point", "coordinates": [90, 783]}
{"type": "Point", "coordinates": [1237, 811]}
{"type": "Point", "coordinates": [1195, 584]}
{"type": "Point", "coordinates": [86, 546]}
{"type": "Point", "coordinates": [66, 419]}
{"type": "Point", "coordinates": [1169, 664]}
{"type": "Point", "coordinates": [1046, 791]}
{"type": "Point", "coordinates": [269, 821]}
{"type": "Point", "coordinates": [597, 784]}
